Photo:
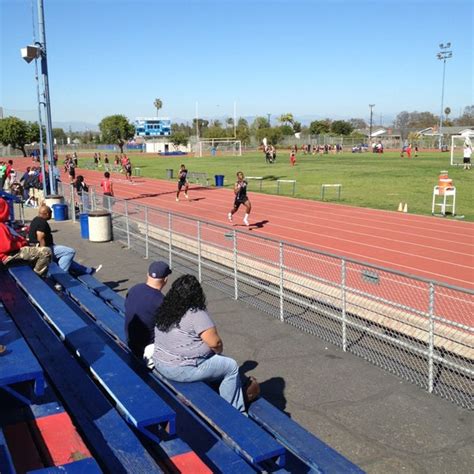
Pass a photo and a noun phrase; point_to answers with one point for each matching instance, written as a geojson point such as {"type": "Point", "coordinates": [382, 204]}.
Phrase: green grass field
{"type": "Point", "coordinates": [368, 180]}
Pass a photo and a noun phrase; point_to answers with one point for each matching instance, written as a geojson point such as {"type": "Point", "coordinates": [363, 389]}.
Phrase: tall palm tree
{"type": "Point", "coordinates": [158, 105]}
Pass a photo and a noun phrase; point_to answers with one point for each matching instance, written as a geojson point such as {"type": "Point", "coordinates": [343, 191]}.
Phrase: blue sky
{"type": "Point", "coordinates": [318, 58]}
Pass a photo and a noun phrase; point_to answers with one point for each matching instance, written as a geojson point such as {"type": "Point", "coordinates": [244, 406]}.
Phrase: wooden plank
{"type": "Point", "coordinates": [246, 436]}
{"type": "Point", "coordinates": [18, 364]}
{"type": "Point", "coordinates": [88, 301]}
{"type": "Point", "coordinates": [83, 466]}
{"type": "Point", "coordinates": [304, 445]}
{"type": "Point", "coordinates": [140, 405]}
{"type": "Point", "coordinates": [106, 293]}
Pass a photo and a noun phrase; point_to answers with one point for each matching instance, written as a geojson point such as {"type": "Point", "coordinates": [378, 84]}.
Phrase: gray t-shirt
{"type": "Point", "coordinates": [182, 345]}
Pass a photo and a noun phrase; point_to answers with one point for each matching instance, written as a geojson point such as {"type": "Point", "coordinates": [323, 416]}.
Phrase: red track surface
{"type": "Point", "coordinates": [431, 247]}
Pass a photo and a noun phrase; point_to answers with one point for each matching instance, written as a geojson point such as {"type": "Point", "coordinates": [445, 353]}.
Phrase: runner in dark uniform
{"type": "Point", "coordinates": [182, 181]}
{"type": "Point", "coordinates": [240, 190]}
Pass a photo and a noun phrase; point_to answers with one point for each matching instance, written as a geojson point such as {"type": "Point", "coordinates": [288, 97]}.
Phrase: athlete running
{"type": "Point", "coordinates": [240, 190]}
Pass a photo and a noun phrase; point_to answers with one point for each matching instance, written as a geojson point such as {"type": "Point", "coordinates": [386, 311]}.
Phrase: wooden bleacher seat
{"type": "Point", "coordinates": [17, 364]}
{"type": "Point", "coordinates": [83, 466]}
{"type": "Point", "coordinates": [140, 406]}
{"type": "Point", "coordinates": [304, 445]}
{"type": "Point", "coordinates": [217, 454]}
{"type": "Point", "coordinates": [105, 293]}
{"type": "Point", "coordinates": [114, 442]}
{"type": "Point", "coordinates": [253, 442]}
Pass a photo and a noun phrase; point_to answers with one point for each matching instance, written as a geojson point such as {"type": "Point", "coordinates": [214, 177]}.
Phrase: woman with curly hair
{"type": "Point", "coordinates": [188, 347]}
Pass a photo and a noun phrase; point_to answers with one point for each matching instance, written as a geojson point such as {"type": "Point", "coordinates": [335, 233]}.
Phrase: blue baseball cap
{"type": "Point", "coordinates": [159, 270]}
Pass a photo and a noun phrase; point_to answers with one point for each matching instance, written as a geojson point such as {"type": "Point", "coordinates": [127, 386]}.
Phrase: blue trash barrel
{"type": "Point", "coordinates": [219, 178]}
{"type": "Point", "coordinates": [84, 221]}
{"type": "Point", "coordinates": [60, 212]}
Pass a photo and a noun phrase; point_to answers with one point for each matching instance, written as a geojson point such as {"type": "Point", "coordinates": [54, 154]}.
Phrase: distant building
{"type": "Point", "coordinates": [152, 127]}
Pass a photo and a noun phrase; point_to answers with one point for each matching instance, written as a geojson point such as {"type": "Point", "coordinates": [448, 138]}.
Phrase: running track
{"type": "Point", "coordinates": [431, 247]}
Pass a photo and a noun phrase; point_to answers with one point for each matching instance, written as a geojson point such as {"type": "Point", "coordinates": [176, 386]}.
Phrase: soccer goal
{"type": "Point", "coordinates": [457, 147]}
{"type": "Point", "coordinates": [219, 147]}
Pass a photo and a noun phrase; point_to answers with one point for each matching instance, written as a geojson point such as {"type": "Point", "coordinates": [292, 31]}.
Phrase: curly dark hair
{"type": "Point", "coordinates": [185, 293]}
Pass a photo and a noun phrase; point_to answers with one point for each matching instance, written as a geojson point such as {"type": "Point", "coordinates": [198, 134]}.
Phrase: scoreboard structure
{"type": "Point", "coordinates": [152, 127]}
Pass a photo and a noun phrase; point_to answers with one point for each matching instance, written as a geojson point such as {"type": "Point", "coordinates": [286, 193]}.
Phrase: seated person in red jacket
{"type": "Point", "coordinates": [14, 248]}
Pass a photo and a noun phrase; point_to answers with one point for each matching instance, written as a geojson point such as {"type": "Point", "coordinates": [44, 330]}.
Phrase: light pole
{"type": "Point", "coordinates": [38, 50]}
{"type": "Point", "coordinates": [371, 121]}
{"type": "Point", "coordinates": [40, 123]}
{"type": "Point", "coordinates": [443, 55]}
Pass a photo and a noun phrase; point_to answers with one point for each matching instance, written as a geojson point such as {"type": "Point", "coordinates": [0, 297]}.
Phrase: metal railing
{"type": "Point", "coordinates": [417, 329]}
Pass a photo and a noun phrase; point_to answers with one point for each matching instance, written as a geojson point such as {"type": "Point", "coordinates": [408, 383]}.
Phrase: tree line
{"type": "Point", "coordinates": [119, 130]}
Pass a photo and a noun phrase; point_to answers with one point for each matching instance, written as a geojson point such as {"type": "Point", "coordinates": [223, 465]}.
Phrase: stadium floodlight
{"type": "Point", "coordinates": [443, 55]}
{"type": "Point", "coordinates": [30, 52]}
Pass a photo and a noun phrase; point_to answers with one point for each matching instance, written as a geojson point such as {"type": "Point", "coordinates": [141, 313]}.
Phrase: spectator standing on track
{"type": "Point", "coordinates": [141, 307]}
{"type": "Point", "coordinates": [188, 347]}
{"type": "Point", "coordinates": [14, 248]}
{"type": "Point", "coordinates": [40, 235]}
{"type": "Point", "coordinates": [108, 190]}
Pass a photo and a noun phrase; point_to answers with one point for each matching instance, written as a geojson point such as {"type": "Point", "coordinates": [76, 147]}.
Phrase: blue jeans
{"type": "Point", "coordinates": [216, 368]}
{"type": "Point", "coordinates": [64, 257]}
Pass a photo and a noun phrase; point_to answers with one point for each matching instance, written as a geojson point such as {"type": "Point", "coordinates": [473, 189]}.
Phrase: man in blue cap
{"type": "Point", "coordinates": [141, 306]}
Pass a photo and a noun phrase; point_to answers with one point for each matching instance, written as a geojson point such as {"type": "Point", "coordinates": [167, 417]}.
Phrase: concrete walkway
{"type": "Point", "coordinates": [381, 423]}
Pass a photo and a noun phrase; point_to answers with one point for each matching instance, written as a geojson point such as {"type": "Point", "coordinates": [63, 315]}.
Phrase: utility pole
{"type": "Point", "coordinates": [443, 55]}
{"type": "Point", "coordinates": [268, 118]}
{"type": "Point", "coordinates": [371, 121]}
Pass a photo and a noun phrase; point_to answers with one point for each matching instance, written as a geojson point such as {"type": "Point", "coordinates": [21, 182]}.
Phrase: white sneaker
{"type": "Point", "coordinates": [186, 196]}
{"type": "Point", "coordinates": [246, 221]}
{"type": "Point", "coordinates": [229, 216]}
{"type": "Point", "coordinates": [177, 199]}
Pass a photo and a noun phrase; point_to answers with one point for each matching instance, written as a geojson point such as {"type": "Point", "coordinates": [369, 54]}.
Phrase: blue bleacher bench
{"type": "Point", "coordinates": [304, 445]}
{"type": "Point", "coordinates": [6, 463]}
{"type": "Point", "coordinates": [112, 439]}
{"type": "Point", "coordinates": [83, 466]}
{"type": "Point", "coordinates": [17, 364]}
{"type": "Point", "coordinates": [246, 436]}
{"type": "Point", "coordinates": [106, 293]}
{"type": "Point", "coordinates": [140, 406]}
{"type": "Point", "coordinates": [113, 324]}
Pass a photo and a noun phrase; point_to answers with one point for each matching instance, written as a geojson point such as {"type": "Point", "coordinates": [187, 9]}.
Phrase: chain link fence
{"type": "Point", "coordinates": [417, 329]}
